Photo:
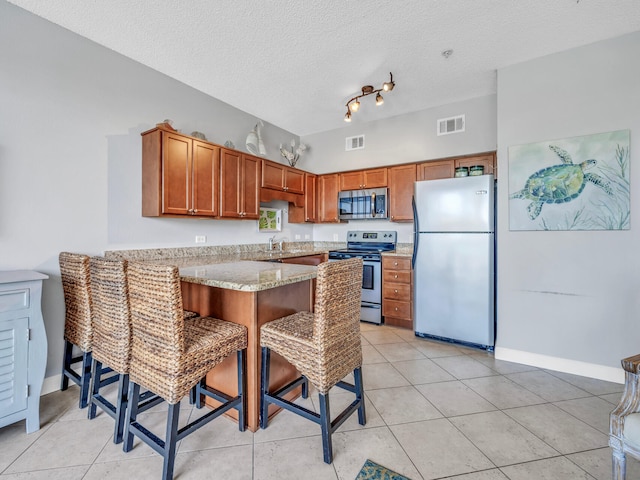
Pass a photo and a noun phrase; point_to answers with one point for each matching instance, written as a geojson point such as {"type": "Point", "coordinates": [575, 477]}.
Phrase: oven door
{"type": "Point", "coordinates": [372, 281]}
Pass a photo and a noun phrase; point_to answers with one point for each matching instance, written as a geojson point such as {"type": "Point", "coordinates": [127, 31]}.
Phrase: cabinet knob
{"type": "Point", "coordinates": [396, 309]}
{"type": "Point", "coordinates": [392, 217]}
{"type": "Point", "coordinates": [395, 263]}
{"type": "Point", "coordinates": [395, 276]}
{"type": "Point", "coordinates": [395, 291]}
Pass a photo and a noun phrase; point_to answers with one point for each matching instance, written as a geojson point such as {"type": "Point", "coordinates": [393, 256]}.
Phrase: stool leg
{"type": "Point", "coordinates": [171, 439]}
{"type": "Point", "coordinates": [96, 375]}
{"type": "Point", "coordinates": [242, 388]}
{"type": "Point", "coordinates": [357, 376]}
{"type": "Point", "coordinates": [325, 424]}
{"type": "Point", "coordinates": [121, 407]}
{"type": "Point", "coordinates": [305, 388]}
{"type": "Point", "coordinates": [132, 413]}
{"type": "Point", "coordinates": [197, 391]}
{"type": "Point", "coordinates": [264, 387]}
{"type": "Point", "coordinates": [85, 379]}
{"type": "Point", "coordinates": [66, 364]}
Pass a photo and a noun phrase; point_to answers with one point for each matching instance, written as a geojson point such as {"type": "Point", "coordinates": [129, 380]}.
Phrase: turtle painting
{"type": "Point", "coordinates": [559, 183]}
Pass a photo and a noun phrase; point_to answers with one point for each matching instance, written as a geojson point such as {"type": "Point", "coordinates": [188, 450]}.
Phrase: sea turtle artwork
{"type": "Point", "coordinates": [559, 183]}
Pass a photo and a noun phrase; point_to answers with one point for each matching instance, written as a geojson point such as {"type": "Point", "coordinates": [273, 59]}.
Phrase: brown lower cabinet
{"type": "Point", "coordinates": [397, 291]}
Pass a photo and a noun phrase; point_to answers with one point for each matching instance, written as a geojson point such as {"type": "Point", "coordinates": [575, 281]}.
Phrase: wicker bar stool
{"type": "Point", "coordinates": [74, 270]}
{"type": "Point", "coordinates": [324, 346]}
{"type": "Point", "coordinates": [111, 323]}
{"type": "Point", "coordinates": [170, 357]}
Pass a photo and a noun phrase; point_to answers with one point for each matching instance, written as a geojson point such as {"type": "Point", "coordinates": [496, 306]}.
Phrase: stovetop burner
{"type": "Point", "coordinates": [368, 244]}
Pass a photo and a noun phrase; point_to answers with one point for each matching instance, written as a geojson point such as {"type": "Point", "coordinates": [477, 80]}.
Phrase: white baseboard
{"type": "Point", "coordinates": [575, 367]}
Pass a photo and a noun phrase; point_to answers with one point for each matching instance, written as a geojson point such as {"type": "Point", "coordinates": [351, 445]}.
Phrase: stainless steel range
{"type": "Point", "coordinates": [368, 245]}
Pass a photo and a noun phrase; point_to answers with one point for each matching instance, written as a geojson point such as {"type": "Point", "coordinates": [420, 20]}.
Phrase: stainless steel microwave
{"type": "Point", "coordinates": [362, 204]}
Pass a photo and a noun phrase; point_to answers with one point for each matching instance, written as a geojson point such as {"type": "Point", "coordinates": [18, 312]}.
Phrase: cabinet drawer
{"type": "Point", "coordinates": [396, 276]}
{"type": "Point", "coordinates": [397, 291]}
{"type": "Point", "coordinates": [396, 263]}
{"type": "Point", "coordinates": [13, 300]}
{"type": "Point", "coordinates": [394, 308]}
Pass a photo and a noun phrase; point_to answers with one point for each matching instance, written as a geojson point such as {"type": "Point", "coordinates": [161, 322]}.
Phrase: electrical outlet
{"type": "Point", "coordinates": [335, 237]}
{"type": "Point", "coordinates": [307, 236]}
{"type": "Point", "coordinates": [201, 238]}
{"type": "Point", "coordinates": [297, 236]}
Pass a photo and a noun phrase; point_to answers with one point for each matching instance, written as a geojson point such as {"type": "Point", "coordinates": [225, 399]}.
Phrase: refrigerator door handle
{"type": "Point", "coordinates": [416, 231]}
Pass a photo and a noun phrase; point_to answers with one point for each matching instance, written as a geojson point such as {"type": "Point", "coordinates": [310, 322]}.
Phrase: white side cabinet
{"type": "Point", "coordinates": [23, 347]}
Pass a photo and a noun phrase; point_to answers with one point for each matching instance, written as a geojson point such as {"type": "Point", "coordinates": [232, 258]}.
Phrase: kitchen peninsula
{"type": "Point", "coordinates": [247, 292]}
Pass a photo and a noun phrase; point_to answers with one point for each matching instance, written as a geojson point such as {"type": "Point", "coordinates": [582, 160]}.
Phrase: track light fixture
{"type": "Point", "coordinates": [369, 90]}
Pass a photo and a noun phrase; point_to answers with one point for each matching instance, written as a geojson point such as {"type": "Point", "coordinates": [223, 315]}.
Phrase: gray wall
{"type": "Point", "coordinates": [402, 139]}
{"type": "Point", "coordinates": [569, 295]}
{"type": "Point", "coordinates": [71, 114]}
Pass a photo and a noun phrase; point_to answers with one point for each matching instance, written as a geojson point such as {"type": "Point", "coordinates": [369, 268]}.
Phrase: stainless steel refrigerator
{"type": "Point", "coordinates": [453, 259]}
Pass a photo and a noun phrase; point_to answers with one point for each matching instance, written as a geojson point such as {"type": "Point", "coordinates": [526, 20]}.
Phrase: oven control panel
{"type": "Point", "coordinates": [372, 236]}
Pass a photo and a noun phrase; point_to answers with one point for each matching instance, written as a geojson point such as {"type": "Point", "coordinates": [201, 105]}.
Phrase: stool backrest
{"type": "Point", "coordinates": [337, 305]}
{"type": "Point", "coordinates": [111, 315]}
{"type": "Point", "coordinates": [157, 325]}
{"type": "Point", "coordinates": [74, 270]}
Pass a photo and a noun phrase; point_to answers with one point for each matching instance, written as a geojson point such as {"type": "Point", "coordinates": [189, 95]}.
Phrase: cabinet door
{"type": "Point", "coordinates": [230, 183]}
{"type": "Point", "coordinates": [308, 213]}
{"type": "Point", "coordinates": [487, 161]}
{"type": "Point", "coordinates": [273, 175]}
{"type": "Point", "coordinates": [14, 351]}
{"type": "Point", "coordinates": [436, 170]}
{"type": "Point", "coordinates": [206, 167]}
{"type": "Point", "coordinates": [401, 181]}
{"type": "Point", "coordinates": [328, 198]}
{"type": "Point", "coordinates": [351, 181]}
{"type": "Point", "coordinates": [294, 181]}
{"type": "Point", "coordinates": [311, 198]}
{"type": "Point", "coordinates": [250, 184]}
{"type": "Point", "coordinates": [176, 174]}
{"type": "Point", "coordinates": [375, 178]}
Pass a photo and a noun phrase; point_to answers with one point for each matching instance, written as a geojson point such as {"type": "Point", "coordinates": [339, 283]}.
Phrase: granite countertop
{"type": "Point", "coordinates": [247, 276]}
{"type": "Point", "coordinates": [248, 268]}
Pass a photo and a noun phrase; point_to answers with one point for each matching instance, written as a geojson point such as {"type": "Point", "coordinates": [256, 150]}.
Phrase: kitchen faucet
{"type": "Point", "coordinates": [280, 243]}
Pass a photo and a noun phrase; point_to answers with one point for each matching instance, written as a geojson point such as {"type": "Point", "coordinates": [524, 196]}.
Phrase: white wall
{"type": "Point", "coordinates": [71, 114]}
{"type": "Point", "coordinates": [569, 300]}
{"type": "Point", "coordinates": [402, 139]}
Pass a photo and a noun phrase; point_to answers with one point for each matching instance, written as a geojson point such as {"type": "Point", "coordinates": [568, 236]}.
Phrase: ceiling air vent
{"type": "Point", "coordinates": [354, 143]}
{"type": "Point", "coordinates": [451, 125]}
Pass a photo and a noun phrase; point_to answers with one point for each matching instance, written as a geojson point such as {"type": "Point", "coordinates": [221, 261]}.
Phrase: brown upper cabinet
{"type": "Point", "coordinates": [436, 170]}
{"type": "Point", "coordinates": [328, 188]}
{"type": "Point", "coordinates": [239, 185]}
{"type": "Point", "coordinates": [374, 178]}
{"type": "Point", "coordinates": [280, 177]}
{"type": "Point", "coordinates": [488, 161]}
{"type": "Point", "coordinates": [308, 213]}
{"type": "Point", "coordinates": [446, 168]}
{"type": "Point", "coordinates": [179, 175]}
{"type": "Point", "coordinates": [401, 181]}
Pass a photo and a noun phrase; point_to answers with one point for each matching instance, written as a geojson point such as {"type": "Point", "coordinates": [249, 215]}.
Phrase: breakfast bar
{"type": "Point", "coordinates": [249, 293]}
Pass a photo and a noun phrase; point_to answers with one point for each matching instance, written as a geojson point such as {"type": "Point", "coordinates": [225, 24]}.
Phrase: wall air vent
{"type": "Point", "coordinates": [354, 143]}
{"type": "Point", "coordinates": [450, 125]}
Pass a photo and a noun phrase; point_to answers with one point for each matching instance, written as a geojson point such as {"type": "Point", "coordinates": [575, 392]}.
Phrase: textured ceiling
{"type": "Point", "coordinates": [295, 63]}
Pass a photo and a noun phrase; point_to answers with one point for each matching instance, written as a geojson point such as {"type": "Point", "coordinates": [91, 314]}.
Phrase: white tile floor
{"type": "Point", "coordinates": [434, 410]}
